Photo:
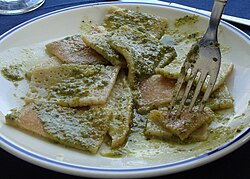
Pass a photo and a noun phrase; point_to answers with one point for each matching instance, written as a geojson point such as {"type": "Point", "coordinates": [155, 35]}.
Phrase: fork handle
{"type": "Point", "coordinates": [211, 33]}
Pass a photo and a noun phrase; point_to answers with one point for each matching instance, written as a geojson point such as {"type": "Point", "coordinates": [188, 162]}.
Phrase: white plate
{"type": "Point", "coordinates": [55, 157]}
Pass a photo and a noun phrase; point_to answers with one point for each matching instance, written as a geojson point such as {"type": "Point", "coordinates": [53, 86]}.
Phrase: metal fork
{"type": "Point", "coordinates": [202, 63]}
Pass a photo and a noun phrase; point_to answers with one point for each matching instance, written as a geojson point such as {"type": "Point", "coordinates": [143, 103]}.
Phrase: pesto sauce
{"type": "Point", "coordinates": [142, 52]}
{"type": "Point", "coordinates": [174, 150]}
{"type": "Point", "coordinates": [79, 127]}
{"type": "Point", "coordinates": [73, 85]}
{"type": "Point", "coordinates": [13, 72]}
{"type": "Point", "coordinates": [181, 38]}
{"type": "Point", "coordinates": [99, 42]}
{"type": "Point", "coordinates": [186, 20]}
{"type": "Point", "coordinates": [143, 22]}
{"type": "Point", "coordinates": [120, 101]}
{"type": "Point", "coordinates": [78, 82]}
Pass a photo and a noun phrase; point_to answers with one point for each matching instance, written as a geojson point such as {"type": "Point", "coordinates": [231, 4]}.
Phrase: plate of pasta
{"type": "Point", "coordinates": [88, 95]}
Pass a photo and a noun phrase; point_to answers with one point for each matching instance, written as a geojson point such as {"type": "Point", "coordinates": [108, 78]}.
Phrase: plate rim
{"type": "Point", "coordinates": [156, 170]}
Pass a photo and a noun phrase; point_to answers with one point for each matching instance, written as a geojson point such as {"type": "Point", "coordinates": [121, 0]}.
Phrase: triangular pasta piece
{"type": "Point", "coordinates": [82, 129]}
{"type": "Point", "coordinates": [143, 53]}
{"type": "Point", "coordinates": [72, 50]}
{"type": "Point", "coordinates": [144, 22]}
{"type": "Point", "coordinates": [121, 103]}
{"type": "Point", "coordinates": [72, 85]}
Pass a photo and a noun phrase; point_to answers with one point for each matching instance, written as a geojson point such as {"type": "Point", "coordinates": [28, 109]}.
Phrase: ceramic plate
{"type": "Point", "coordinates": [66, 22]}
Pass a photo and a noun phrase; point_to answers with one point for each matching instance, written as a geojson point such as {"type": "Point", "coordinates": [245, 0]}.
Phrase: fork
{"type": "Point", "coordinates": [202, 62]}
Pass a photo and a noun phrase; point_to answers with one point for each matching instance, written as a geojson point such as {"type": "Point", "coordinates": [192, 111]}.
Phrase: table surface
{"type": "Point", "coordinates": [234, 165]}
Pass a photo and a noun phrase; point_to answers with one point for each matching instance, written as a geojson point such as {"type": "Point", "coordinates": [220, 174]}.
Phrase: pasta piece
{"type": "Point", "coordinates": [154, 130]}
{"type": "Point", "coordinates": [145, 22]}
{"type": "Point", "coordinates": [120, 101]}
{"type": "Point", "coordinates": [73, 85]}
{"type": "Point", "coordinates": [173, 69]}
{"type": "Point", "coordinates": [73, 50]}
{"type": "Point", "coordinates": [182, 125]}
{"type": "Point", "coordinates": [143, 53]}
{"type": "Point", "coordinates": [82, 129]}
{"type": "Point", "coordinates": [156, 92]}
{"type": "Point", "coordinates": [220, 99]}
{"type": "Point", "coordinates": [99, 42]}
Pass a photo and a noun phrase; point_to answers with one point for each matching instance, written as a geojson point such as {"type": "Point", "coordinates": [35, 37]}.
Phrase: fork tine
{"type": "Point", "coordinates": [198, 89]}
{"type": "Point", "coordinates": [208, 91]}
{"type": "Point", "coordinates": [177, 89]}
{"type": "Point", "coordinates": [179, 83]}
{"type": "Point", "coordinates": [187, 90]}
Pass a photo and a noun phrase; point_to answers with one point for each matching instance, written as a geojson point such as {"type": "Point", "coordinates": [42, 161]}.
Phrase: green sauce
{"type": "Point", "coordinates": [78, 127]}
{"type": "Point", "coordinates": [73, 85]}
{"type": "Point", "coordinates": [77, 83]}
{"type": "Point", "coordinates": [141, 147]}
{"type": "Point", "coordinates": [120, 101]}
{"type": "Point", "coordinates": [99, 42]}
{"type": "Point", "coordinates": [186, 20]}
{"type": "Point", "coordinates": [143, 22]}
{"type": "Point", "coordinates": [142, 52]}
{"type": "Point", "coordinates": [13, 72]}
